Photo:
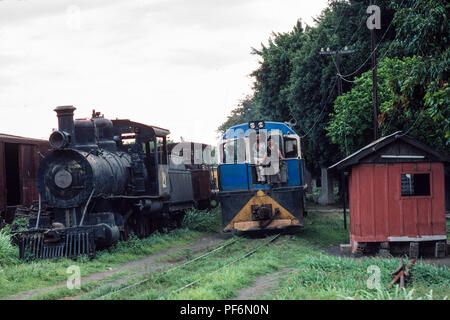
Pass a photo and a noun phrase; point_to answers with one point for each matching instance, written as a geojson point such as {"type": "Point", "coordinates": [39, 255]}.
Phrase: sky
{"type": "Point", "coordinates": [179, 65]}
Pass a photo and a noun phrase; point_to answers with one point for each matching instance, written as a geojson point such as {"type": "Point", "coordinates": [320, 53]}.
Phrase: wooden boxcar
{"type": "Point", "coordinates": [201, 173]}
{"type": "Point", "coordinates": [396, 196]}
{"type": "Point", "coordinates": [19, 159]}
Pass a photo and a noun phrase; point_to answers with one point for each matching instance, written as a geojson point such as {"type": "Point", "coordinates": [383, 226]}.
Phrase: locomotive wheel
{"type": "Point", "coordinates": [179, 216]}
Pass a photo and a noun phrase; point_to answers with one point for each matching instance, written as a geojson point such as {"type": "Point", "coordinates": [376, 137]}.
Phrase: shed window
{"type": "Point", "coordinates": [417, 184]}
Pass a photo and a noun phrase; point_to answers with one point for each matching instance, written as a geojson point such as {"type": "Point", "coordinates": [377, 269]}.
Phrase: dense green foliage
{"type": "Point", "coordinates": [295, 81]}
{"type": "Point", "coordinates": [8, 253]}
{"type": "Point", "coordinates": [202, 220]}
{"type": "Point", "coordinates": [351, 124]}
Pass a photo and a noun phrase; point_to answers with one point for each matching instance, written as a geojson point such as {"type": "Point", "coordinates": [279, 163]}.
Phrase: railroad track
{"type": "Point", "coordinates": [222, 246]}
{"type": "Point", "coordinates": [200, 257]}
{"type": "Point", "coordinates": [248, 254]}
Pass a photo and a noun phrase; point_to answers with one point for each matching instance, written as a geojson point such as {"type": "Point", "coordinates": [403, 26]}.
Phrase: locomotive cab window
{"type": "Point", "coordinates": [162, 150]}
{"type": "Point", "coordinates": [415, 184]}
{"type": "Point", "coordinates": [233, 151]}
{"type": "Point", "coordinates": [290, 147]}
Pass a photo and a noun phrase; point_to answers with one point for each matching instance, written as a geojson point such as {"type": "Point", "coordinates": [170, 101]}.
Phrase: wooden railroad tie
{"type": "Point", "coordinates": [401, 274]}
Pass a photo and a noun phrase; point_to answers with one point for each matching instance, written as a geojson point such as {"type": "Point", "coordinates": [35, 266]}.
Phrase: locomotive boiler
{"type": "Point", "coordinates": [103, 180]}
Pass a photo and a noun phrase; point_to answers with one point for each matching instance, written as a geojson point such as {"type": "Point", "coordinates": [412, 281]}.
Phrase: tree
{"type": "Point", "coordinates": [413, 86]}
{"type": "Point", "coordinates": [423, 30]}
{"type": "Point", "coordinates": [294, 81]}
{"type": "Point", "coordinates": [351, 124]}
{"type": "Point", "coordinates": [246, 111]}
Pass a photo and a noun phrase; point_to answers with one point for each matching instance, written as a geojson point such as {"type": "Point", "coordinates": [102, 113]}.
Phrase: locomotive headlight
{"type": "Point", "coordinates": [63, 179]}
{"type": "Point", "coordinates": [252, 125]}
{"type": "Point", "coordinates": [260, 124]}
{"type": "Point", "coordinates": [58, 139]}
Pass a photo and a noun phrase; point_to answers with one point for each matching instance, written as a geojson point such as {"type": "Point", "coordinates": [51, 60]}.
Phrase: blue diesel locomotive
{"type": "Point", "coordinates": [260, 177]}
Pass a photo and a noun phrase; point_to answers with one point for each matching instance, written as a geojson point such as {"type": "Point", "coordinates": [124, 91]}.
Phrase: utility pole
{"type": "Point", "coordinates": [337, 60]}
{"type": "Point", "coordinates": [338, 65]}
{"type": "Point", "coordinates": [373, 41]}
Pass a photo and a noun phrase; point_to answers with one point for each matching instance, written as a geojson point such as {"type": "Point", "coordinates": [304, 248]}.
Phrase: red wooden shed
{"type": "Point", "coordinates": [19, 159]}
{"type": "Point", "coordinates": [396, 197]}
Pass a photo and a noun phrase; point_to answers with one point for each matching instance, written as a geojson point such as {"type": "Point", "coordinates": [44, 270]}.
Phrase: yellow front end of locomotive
{"type": "Point", "coordinates": [262, 212]}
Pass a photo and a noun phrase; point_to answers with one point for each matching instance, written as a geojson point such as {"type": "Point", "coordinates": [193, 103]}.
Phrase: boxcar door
{"type": "Point", "coordinates": [28, 160]}
{"type": "Point", "coordinates": [2, 178]}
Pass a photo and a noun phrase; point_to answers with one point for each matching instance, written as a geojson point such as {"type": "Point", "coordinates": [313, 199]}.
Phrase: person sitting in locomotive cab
{"type": "Point", "coordinates": [257, 155]}
{"type": "Point", "coordinates": [229, 152]}
{"type": "Point", "coordinates": [275, 171]}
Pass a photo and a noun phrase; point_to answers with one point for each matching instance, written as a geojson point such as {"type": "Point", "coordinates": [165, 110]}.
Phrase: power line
{"type": "Point", "coordinates": [336, 61]}
{"type": "Point", "coordinates": [346, 80]}
{"type": "Point", "coordinates": [335, 80]}
{"type": "Point", "coordinates": [407, 131]}
{"type": "Point", "coordinates": [370, 55]}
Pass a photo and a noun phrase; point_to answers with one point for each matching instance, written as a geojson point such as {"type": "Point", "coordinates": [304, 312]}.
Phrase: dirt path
{"type": "Point", "coordinates": [139, 267]}
{"type": "Point", "coordinates": [262, 285]}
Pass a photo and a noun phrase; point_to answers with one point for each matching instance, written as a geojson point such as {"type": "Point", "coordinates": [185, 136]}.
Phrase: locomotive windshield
{"type": "Point", "coordinates": [248, 150]}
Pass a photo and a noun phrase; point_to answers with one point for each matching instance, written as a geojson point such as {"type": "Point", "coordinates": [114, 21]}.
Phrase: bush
{"type": "Point", "coordinates": [8, 252]}
{"type": "Point", "coordinates": [203, 221]}
{"type": "Point", "coordinates": [20, 224]}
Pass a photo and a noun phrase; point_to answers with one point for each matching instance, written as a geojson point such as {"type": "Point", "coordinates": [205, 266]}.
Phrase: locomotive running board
{"type": "Point", "coordinates": [56, 243]}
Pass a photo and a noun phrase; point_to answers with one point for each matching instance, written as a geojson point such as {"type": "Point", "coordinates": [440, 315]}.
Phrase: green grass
{"type": "Point", "coordinates": [17, 276]}
{"type": "Point", "coordinates": [313, 275]}
{"type": "Point", "coordinates": [309, 272]}
{"type": "Point", "coordinates": [8, 252]}
{"type": "Point", "coordinates": [222, 285]}
{"type": "Point", "coordinates": [324, 229]}
{"type": "Point", "coordinates": [329, 277]}
{"type": "Point", "coordinates": [64, 292]}
{"type": "Point", "coordinates": [23, 276]}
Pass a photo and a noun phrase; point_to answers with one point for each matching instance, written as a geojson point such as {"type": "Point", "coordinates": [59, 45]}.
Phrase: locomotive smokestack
{"type": "Point", "coordinates": [65, 118]}
{"type": "Point", "coordinates": [63, 136]}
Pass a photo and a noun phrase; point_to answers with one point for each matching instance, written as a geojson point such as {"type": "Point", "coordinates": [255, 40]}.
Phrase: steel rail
{"type": "Point", "coordinates": [174, 268]}
{"type": "Point", "coordinates": [230, 263]}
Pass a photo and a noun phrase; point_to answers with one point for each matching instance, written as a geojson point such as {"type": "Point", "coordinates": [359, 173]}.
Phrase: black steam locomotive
{"type": "Point", "coordinates": [103, 180]}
